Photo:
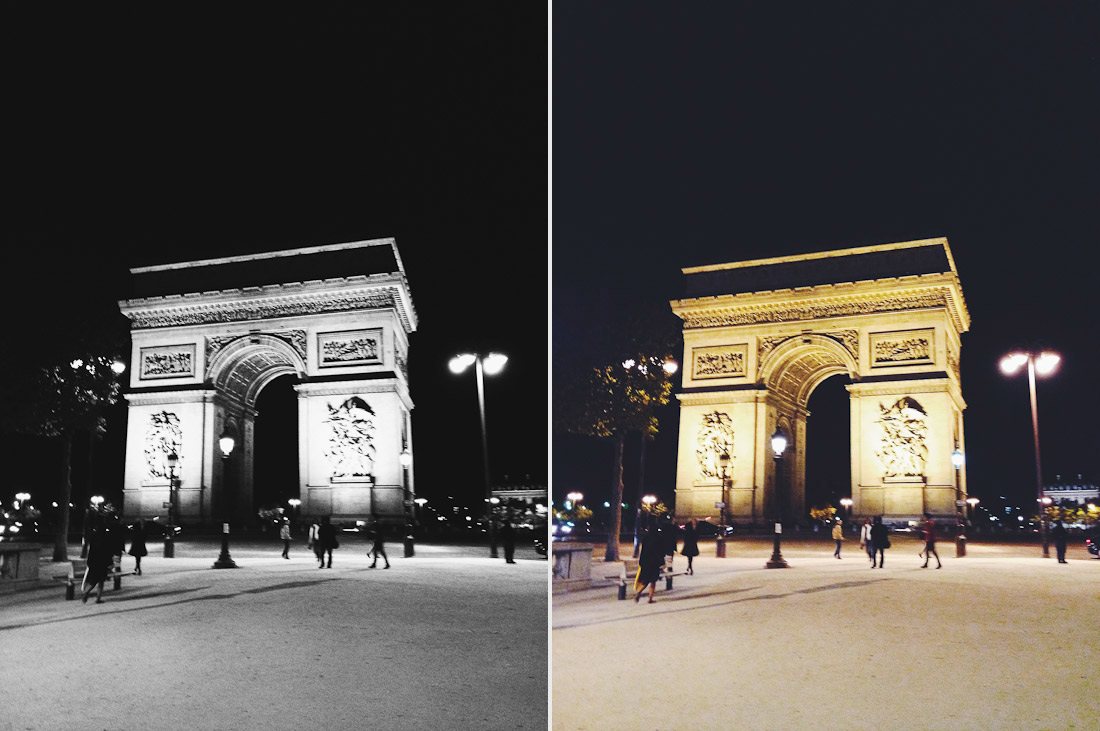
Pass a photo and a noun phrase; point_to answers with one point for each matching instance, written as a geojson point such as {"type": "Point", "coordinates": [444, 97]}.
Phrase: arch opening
{"type": "Point", "coordinates": [275, 465]}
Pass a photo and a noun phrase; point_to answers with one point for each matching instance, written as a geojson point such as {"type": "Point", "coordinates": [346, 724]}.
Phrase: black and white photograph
{"type": "Point", "coordinates": [275, 425]}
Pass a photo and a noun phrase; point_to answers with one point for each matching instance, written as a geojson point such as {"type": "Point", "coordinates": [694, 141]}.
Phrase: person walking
{"type": "Point", "coordinates": [929, 527]}
{"type": "Point", "coordinates": [284, 534]}
{"type": "Point", "coordinates": [326, 540]}
{"type": "Point", "coordinates": [101, 548]}
{"type": "Point", "coordinates": [508, 540]}
{"type": "Point", "coordinates": [1060, 536]}
{"type": "Point", "coordinates": [838, 536]}
{"type": "Point", "coordinates": [690, 548]}
{"type": "Point", "coordinates": [650, 560]}
{"type": "Point", "coordinates": [880, 541]}
{"type": "Point", "coordinates": [137, 544]}
{"type": "Point", "coordinates": [865, 541]}
{"type": "Point", "coordinates": [378, 548]}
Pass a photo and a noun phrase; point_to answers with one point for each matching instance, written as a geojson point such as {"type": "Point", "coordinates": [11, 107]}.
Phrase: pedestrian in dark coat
{"type": "Point", "coordinates": [508, 539]}
{"type": "Point", "coordinates": [1060, 536]}
{"type": "Point", "coordinates": [284, 535]}
{"type": "Point", "coordinates": [880, 539]}
{"type": "Point", "coordinates": [101, 556]}
{"type": "Point", "coordinates": [691, 543]}
{"type": "Point", "coordinates": [378, 547]}
{"type": "Point", "coordinates": [929, 527]}
{"type": "Point", "coordinates": [326, 539]}
{"type": "Point", "coordinates": [137, 544]}
{"type": "Point", "coordinates": [650, 560]}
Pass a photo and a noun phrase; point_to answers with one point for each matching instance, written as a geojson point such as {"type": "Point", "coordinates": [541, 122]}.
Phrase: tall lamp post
{"type": "Point", "coordinates": [958, 459]}
{"type": "Point", "coordinates": [1043, 363]}
{"type": "Point", "coordinates": [720, 539]}
{"type": "Point", "coordinates": [225, 561]}
{"type": "Point", "coordinates": [173, 495]}
{"type": "Point", "coordinates": [779, 445]}
{"type": "Point", "coordinates": [846, 503]}
{"type": "Point", "coordinates": [971, 502]}
{"type": "Point", "coordinates": [406, 460]}
{"type": "Point", "coordinates": [491, 364]}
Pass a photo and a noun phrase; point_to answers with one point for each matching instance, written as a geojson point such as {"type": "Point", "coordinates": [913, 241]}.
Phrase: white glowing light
{"type": "Point", "coordinates": [461, 362]}
{"type": "Point", "coordinates": [1012, 362]}
{"type": "Point", "coordinates": [494, 363]}
{"type": "Point", "coordinates": [118, 367]}
{"type": "Point", "coordinates": [1046, 363]}
{"type": "Point", "coordinates": [671, 366]}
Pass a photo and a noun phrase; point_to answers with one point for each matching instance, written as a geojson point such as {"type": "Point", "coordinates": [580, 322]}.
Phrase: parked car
{"type": "Point", "coordinates": [707, 529]}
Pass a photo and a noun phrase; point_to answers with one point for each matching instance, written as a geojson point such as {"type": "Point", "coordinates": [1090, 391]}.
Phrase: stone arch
{"type": "Point", "coordinates": [208, 336]}
{"type": "Point", "coordinates": [760, 336]}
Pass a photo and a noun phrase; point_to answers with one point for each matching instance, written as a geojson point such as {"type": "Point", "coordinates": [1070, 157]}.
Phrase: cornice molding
{"type": "Point", "coordinates": [154, 398]}
{"type": "Point", "coordinates": [826, 301]}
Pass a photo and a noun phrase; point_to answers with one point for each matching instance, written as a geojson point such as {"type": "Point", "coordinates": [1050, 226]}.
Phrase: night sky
{"type": "Point", "coordinates": [146, 134]}
{"type": "Point", "coordinates": [698, 133]}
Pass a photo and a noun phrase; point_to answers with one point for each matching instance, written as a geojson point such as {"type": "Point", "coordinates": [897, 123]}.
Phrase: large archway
{"type": "Point", "coordinates": [209, 336]}
{"type": "Point", "coordinates": [760, 336]}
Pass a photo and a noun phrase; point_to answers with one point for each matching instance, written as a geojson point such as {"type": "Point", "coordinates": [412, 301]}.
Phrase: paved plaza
{"type": "Point", "coordinates": [447, 639]}
{"type": "Point", "coordinates": [1000, 639]}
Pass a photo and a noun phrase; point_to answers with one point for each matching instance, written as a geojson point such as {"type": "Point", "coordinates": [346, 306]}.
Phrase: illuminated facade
{"type": "Point", "coordinates": [759, 336]}
{"type": "Point", "coordinates": [209, 335]}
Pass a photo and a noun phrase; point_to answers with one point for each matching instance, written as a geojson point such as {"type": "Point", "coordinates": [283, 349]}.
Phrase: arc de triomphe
{"type": "Point", "coordinates": [760, 336]}
{"type": "Point", "coordinates": [209, 335]}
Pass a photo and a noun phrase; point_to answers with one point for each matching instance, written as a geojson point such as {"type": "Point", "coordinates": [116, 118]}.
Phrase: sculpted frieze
{"type": "Point", "coordinates": [903, 450]}
{"type": "Point", "coordinates": [722, 361]}
{"type": "Point", "coordinates": [911, 347]}
{"type": "Point", "coordinates": [172, 361]}
{"type": "Point", "coordinates": [786, 312]}
{"type": "Point", "coordinates": [350, 450]}
{"type": "Point", "coordinates": [263, 309]}
{"type": "Point", "coordinates": [714, 439]}
{"type": "Point", "coordinates": [163, 436]}
{"type": "Point", "coordinates": [349, 348]}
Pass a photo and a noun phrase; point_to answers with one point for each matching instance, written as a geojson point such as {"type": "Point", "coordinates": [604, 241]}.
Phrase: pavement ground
{"type": "Point", "coordinates": [999, 639]}
{"type": "Point", "coordinates": [447, 639]}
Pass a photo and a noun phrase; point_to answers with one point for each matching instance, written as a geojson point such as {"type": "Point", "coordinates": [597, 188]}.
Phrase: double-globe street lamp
{"type": "Point", "coordinates": [720, 539]}
{"type": "Point", "coordinates": [1044, 363]}
{"type": "Point", "coordinates": [490, 364]}
{"type": "Point", "coordinates": [779, 445]}
{"type": "Point", "coordinates": [406, 460]}
{"type": "Point", "coordinates": [173, 509]}
{"type": "Point", "coordinates": [226, 442]}
{"type": "Point", "coordinates": [958, 459]}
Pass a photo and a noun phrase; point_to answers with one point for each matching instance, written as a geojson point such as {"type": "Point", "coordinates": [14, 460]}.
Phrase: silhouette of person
{"type": "Point", "coordinates": [101, 550]}
{"type": "Point", "coordinates": [691, 543]}
{"type": "Point", "coordinates": [865, 541]}
{"type": "Point", "coordinates": [284, 534]}
{"type": "Point", "coordinates": [880, 540]}
{"type": "Point", "coordinates": [326, 539]}
{"type": "Point", "coordinates": [650, 560]}
{"type": "Point", "coordinates": [1060, 536]}
{"type": "Point", "coordinates": [137, 544]}
{"type": "Point", "coordinates": [930, 541]}
{"type": "Point", "coordinates": [838, 536]}
{"type": "Point", "coordinates": [378, 548]}
{"type": "Point", "coordinates": [508, 540]}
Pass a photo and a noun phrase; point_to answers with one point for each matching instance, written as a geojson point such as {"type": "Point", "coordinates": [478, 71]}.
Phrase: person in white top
{"type": "Point", "coordinates": [865, 540]}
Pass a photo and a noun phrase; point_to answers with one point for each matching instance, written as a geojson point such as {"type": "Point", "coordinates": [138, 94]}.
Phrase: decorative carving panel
{"type": "Point", "coordinates": [350, 450]}
{"type": "Point", "coordinates": [349, 348]}
{"type": "Point", "coordinates": [167, 361]}
{"type": "Point", "coordinates": [402, 364]}
{"type": "Point", "coordinates": [720, 361]}
{"type": "Point", "coordinates": [796, 311]}
{"type": "Point", "coordinates": [907, 347]}
{"type": "Point", "coordinates": [903, 451]}
{"type": "Point", "coordinates": [200, 314]}
{"type": "Point", "coordinates": [715, 438]}
{"type": "Point", "coordinates": [163, 436]}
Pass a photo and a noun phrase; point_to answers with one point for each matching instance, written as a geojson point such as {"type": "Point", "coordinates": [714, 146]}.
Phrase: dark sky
{"type": "Point", "coordinates": [698, 133]}
{"type": "Point", "coordinates": [141, 134]}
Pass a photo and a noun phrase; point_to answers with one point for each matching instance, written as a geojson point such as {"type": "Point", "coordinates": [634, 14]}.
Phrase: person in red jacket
{"type": "Point", "coordinates": [929, 527]}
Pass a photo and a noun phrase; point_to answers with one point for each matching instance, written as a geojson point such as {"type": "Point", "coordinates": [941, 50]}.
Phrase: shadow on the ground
{"type": "Point", "coordinates": [136, 597]}
{"type": "Point", "coordinates": [689, 596]}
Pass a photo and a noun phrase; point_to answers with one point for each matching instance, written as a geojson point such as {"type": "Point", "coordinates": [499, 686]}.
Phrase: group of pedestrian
{"type": "Point", "coordinates": [322, 541]}
{"type": "Point", "coordinates": [106, 539]}
{"type": "Point", "coordinates": [658, 539]}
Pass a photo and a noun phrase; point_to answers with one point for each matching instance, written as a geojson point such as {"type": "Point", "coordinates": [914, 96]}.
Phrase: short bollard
{"type": "Point", "coordinates": [720, 547]}
{"type": "Point", "coordinates": [668, 583]}
{"type": "Point", "coordinates": [169, 547]}
{"type": "Point", "coordinates": [960, 546]}
{"type": "Point", "coordinates": [409, 550]}
{"type": "Point", "coordinates": [70, 590]}
{"type": "Point", "coordinates": [622, 590]}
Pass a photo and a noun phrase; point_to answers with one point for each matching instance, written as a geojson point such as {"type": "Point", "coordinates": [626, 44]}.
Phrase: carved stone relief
{"type": "Point", "coordinates": [296, 339]}
{"type": "Point", "coordinates": [722, 361]}
{"type": "Point", "coordinates": [170, 361]}
{"type": "Point", "coordinates": [904, 450]}
{"type": "Point", "coordinates": [350, 450]}
{"type": "Point", "coordinates": [351, 348]}
{"type": "Point", "coordinates": [902, 348]}
{"type": "Point", "coordinates": [402, 364]}
{"type": "Point", "coordinates": [163, 436]}
{"type": "Point", "coordinates": [715, 438]}
{"type": "Point", "coordinates": [808, 311]}
{"type": "Point", "coordinates": [265, 309]}
{"type": "Point", "coordinates": [848, 338]}
{"type": "Point", "coordinates": [953, 364]}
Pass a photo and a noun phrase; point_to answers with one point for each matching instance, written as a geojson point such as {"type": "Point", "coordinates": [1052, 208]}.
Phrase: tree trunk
{"type": "Point", "coordinates": [616, 527]}
{"type": "Point", "coordinates": [61, 540]}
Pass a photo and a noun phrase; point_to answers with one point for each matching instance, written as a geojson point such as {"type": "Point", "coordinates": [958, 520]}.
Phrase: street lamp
{"type": "Point", "coordinates": [21, 497]}
{"type": "Point", "coordinates": [419, 505]}
{"type": "Point", "coordinates": [779, 445]}
{"type": "Point", "coordinates": [406, 459]}
{"type": "Point", "coordinates": [491, 364]}
{"type": "Point", "coordinates": [225, 561]}
{"type": "Point", "coordinates": [169, 545]}
{"type": "Point", "coordinates": [958, 459]}
{"type": "Point", "coordinates": [96, 501]}
{"type": "Point", "coordinates": [971, 502]}
{"type": "Point", "coordinates": [720, 539]}
{"type": "Point", "coordinates": [1043, 363]}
